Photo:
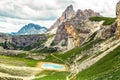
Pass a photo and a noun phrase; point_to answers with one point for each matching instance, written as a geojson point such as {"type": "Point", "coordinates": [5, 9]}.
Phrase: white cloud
{"type": "Point", "coordinates": [16, 13]}
{"type": "Point", "coordinates": [105, 7]}
{"type": "Point", "coordinates": [31, 9]}
{"type": "Point", "coordinates": [13, 25]}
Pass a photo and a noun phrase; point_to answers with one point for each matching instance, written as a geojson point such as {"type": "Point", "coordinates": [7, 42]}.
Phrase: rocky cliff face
{"type": "Point", "coordinates": [21, 41]}
{"type": "Point", "coordinates": [118, 19]}
{"type": "Point", "coordinates": [4, 37]}
{"type": "Point", "coordinates": [106, 31]}
{"type": "Point", "coordinates": [69, 26]}
{"type": "Point", "coordinates": [72, 33]}
{"type": "Point", "coordinates": [26, 40]}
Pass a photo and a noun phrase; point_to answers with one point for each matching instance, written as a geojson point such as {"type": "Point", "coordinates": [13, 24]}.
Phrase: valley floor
{"type": "Point", "coordinates": [102, 64]}
{"type": "Point", "coordinates": [20, 71]}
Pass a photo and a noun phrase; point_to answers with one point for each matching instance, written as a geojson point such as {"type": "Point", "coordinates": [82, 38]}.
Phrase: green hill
{"type": "Point", "coordinates": [108, 68]}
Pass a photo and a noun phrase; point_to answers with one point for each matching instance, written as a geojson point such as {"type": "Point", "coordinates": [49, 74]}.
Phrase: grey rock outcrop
{"type": "Point", "coordinates": [83, 15]}
{"type": "Point", "coordinates": [14, 42]}
{"type": "Point", "coordinates": [4, 37]}
{"type": "Point", "coordinates": [106, 31]}
{"type": "Point", "coordinates": [22, 41]}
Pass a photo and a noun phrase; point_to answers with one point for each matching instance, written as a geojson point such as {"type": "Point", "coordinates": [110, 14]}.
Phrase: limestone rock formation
{"type": "Point", "coordinates": [118, 19]}
{"type": "Point", "coordinates": [67, 14]}
{"type": "Point", "coordinates": [106, 31]}
{"type": "Point", "coordinates": [70, 44]}
{"type": "Point", "coordinates": [72, 32]}
{"type": "Point", "coordinates": [83, 15]}
{"type": "Point", "coordinates": [61, 34]}
{"type": "Point", "coordinates": [69, 27]}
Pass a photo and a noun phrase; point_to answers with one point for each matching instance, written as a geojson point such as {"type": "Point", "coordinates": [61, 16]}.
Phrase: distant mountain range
{"type": "Point", "coordinates": [31, 29]}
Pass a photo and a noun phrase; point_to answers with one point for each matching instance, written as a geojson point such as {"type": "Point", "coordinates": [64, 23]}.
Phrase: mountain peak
{"type": "Point", "coordinates": [79, 11]}
{"type": "Point", "coordinates": [67, 14]}
{"type": "Point", "coordinates": [32, 25]}
{"type": "Point", "coordinates": [70, 7]}
{"type": "Point", "coordinates": [85, 14]}
{"type": "Point", "coordinates": [31, 28]}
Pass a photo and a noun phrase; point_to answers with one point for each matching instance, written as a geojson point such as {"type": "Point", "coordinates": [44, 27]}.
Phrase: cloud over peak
{"type": "Point", "coordinates": [16, 13]}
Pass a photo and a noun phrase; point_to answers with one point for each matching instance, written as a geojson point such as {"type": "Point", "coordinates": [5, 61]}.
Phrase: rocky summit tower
{"type": "Point", "coordinates": [118, 20]}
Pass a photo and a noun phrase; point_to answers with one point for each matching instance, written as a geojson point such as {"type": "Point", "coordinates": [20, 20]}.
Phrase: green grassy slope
{"type": "Point", "coordinates": [52, 75]}
{"type": "Point", "coordinates": [107, 20]}
{"type": "Point", "coordinates": [66, 57]}
{"type": "Point", "coordinates": [69, 56]}
{"type": "Point", "coordinates": [108, 68]}
{"type": "Point", "coordinates": [15, 61]}
{"type": "Point", "coordinates": [15, 66]}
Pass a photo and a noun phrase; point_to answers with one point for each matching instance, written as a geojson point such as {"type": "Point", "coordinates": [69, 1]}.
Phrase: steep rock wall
{"type": "Point", "coordinates": [118, 20]}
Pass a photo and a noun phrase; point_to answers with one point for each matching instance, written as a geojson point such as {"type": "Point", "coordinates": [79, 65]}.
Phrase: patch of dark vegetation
{"type": "Point", "coordinates": [46, 50]}
{"type": "Point", "coordinates": [107, 20]}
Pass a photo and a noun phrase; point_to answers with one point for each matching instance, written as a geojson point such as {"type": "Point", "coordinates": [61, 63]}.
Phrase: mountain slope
{"type": "Point", "coordinates": [108, 68]}
{"type": "Point", "coordinates": [31, 29]}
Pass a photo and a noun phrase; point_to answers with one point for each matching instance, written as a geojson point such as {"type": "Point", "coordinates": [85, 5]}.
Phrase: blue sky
{"type": "Point", "coordinates": [16, 13]}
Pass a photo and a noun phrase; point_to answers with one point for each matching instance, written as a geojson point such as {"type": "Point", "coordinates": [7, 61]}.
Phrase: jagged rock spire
{"type": "Point", "coordinates": [70, 7]}
{"type": "Point", "coordinates": [67, 14]}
